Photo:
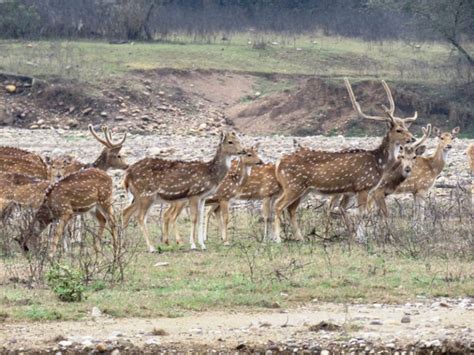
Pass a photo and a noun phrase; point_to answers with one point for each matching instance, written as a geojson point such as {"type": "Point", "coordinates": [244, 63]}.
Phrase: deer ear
{"type": "Point", "coordinates": [221, 136]}
{"type": "Point", "coordinates": [436, 131]}
{"type": "Point", "coordinates": [420, 150]}
{"type": "Point", "coordinates": [455, 131]}
{"type": "Point", "coordinates": [48, 160]}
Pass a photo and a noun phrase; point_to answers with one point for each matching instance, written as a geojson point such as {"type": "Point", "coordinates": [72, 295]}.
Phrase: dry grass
{"type": "Point", "coordinates": [393, 267]}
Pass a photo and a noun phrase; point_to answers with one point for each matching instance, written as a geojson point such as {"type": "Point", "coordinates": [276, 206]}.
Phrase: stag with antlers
{"type": "Point", "coordinates": [80, 192]}
{"type": "Point", "coordinates": [154, 179]}
{"type": "Point", "coordinates": [347, 172]}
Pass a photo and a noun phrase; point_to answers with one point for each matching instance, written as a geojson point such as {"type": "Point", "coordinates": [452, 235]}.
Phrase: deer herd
{"type": "Point", "coordinates": [59, 189]}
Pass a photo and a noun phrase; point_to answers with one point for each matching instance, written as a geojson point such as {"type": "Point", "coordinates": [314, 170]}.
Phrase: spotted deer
{"type": "Point", "coordinates": [19, 161]}
{"type": "Point", "coordinates": [154, 179]}
{"type": "Point", "coordinates": [236, 177]}
{"type": "Point", "coordinates": [22, 190]}
{"type": "Point", "coordinates": [75, 194]}
{"type": "Point", "coordinates": [89, 187]}
{"type": "Point", "coordinates": [347, 172]}
{"type": "Point", "coordinates": [400, 171]}
{"type": "Point", "coordinates": [470, 156]}
{"type": "Point", "coordinates": [427, 169]}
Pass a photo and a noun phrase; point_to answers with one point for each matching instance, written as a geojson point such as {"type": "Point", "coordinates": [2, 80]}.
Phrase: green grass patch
{"type": "Point", "coordinates": [329, 56]}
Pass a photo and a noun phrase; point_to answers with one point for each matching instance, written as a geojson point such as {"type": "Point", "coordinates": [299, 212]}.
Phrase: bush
{"type": "Point", "coordinates": [66, 283]}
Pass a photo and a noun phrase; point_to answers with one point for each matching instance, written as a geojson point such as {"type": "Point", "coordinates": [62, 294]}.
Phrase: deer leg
{"type": "Point", "coordinates": [170, 217]}
{"type": "Point", "coordinates": [214, 210]}
{"type": "Point", "coordinates": [266, 212]}
{"type": "Point", "coordinates": [194, 214]}
{"type": "Point", "coordinates": [167, 215]}
{"type": "Point", "coordinates": [128, 212]}
{"type": "Point", "coordinates": [284, 200]}
{"type": "Point", "coordinates": [63, 220]}
{"type": "Point", "coordinates": [102, 222]}
{"type": "Point", "coordinates": [362, 205]}
{"type": "Point", "coordinates": [294, 220]}
{"type": "Point", "coordinates": [145, 204]}
{"type": "Point", "coordinates": [201, 236]}
{"type": "Point", "coordinates": [224, 219]}
{"type": "Point", "coordinates": [107, 213]}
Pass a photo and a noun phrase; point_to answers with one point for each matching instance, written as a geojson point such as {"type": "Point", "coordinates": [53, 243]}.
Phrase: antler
{"type": "Point", "coordinates": [426, 134]}
{"type": "Point", "coordinates": [391, 110]}
{"type": "Point", "coordinates": [108, 137]}
{"type": "Point", "coordinates": [356, 105]}
{"type": "Point", "coordinates": [91, 129]}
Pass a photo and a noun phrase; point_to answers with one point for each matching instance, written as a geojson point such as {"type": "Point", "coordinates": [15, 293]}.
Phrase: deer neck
{"type": "Point", "coordinates": [243, 172]}
{"type": "Point", "coordinates": [438, 159]}
{"type": "Point", "coordinates": [219, 165]}
{"type": "Point", "coordinates": [100, 162]}
{"type": "Point", "coordinates": [386, 152]}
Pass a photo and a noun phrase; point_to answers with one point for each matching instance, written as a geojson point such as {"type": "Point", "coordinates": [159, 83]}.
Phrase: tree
{"type": "Point", "coordinates": [451, 19]}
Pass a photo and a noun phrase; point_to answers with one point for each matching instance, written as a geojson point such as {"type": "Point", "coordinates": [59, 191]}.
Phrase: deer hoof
{"type": "Point", "coordinates": [193, 246]}
{"type": "Point", "coordinates": [226, 243]}
{"type": "Point", "coordinates": [152, 250]}
{"type": "Point", "coordinates": [203, 247]}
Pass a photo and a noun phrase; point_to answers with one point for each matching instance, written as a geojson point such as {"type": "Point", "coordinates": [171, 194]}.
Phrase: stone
{"type": "Point", "coordinates": [96, 312]}
{"type": "Point", "coordinates": [11, 89]}
{"type": "Point", "coordinates": [406, 319]}
{"type": "Point", "coordinates": [101, 347]}
{"type": "Point", "coordinates": [65, 343]}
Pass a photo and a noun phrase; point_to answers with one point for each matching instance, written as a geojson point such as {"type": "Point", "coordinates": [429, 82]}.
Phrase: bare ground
{"type": "Point", "coordinates": [427, 325]}
{"type": "Point", "coordinates": [169, 101]}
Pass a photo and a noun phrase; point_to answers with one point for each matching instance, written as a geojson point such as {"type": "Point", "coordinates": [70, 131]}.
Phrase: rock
{"type": "Point", "coordinates": [101, 347]}
{"type": "Point", "coordinates": [11, 89]}
{"type": "Point", "coordinates": [152, 341]}
{"type": "Point", "coordinates": [376, 322]}
{"type": "Point", "coordinates": [103, 114]}
{"type": "Point", "coordinates": [406, 319]}
{"type": "Point", "coordinates": [87, 111]}
{"type": "Point", "coordinates": [115, 352]}
{"type": "Point", "coordinates": [162, 263]}
{"type": "Point", "coordinates": [65, 343]}
{"type": "Point", "coordinates": [96, 312]}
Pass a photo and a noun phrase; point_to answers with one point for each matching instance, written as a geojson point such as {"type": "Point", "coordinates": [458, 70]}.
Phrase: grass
{"type": "Point", "coordinates": [329, 56]}
{"type": "Point", "coordinates": [250, 275]}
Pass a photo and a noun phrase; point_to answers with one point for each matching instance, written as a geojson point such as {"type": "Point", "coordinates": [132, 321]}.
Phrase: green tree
{"type": "Point", "coordinates": [451, 19]}
{"type": "Point", "coordinates": [18, 20]}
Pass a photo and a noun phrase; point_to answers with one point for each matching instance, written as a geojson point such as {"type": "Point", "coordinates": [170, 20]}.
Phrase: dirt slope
{"type": "Point", "coordinates": [170, 101]}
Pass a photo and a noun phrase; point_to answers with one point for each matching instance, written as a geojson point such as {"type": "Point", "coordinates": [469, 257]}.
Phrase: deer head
{"type": "Point", "coordinates": [408, 153]}
{"type": "Point", "coordinates": [110, 157]}
{"type": "Point", "coordinates": [250, 156]}
{"type": "Point", "coordinates": [230, 144]}
{"type": "Point", "coordinates": [445, 139]}
{"type": "Point", "coordinates": [398, 127]}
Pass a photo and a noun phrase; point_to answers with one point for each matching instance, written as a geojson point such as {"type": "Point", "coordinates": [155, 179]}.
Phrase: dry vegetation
{"type": "Point", "coordinates": [403, 258]}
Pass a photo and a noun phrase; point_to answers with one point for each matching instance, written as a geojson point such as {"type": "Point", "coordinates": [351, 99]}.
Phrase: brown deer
{"type": "Point", "coordinates": [20, 161]}
{"type": "Point", "coordinates": [74, 194]}
{"type": "Point", "coordinates": [236, 177]}
{"type": "Point", "coordinates": [21, 189]}
{"type": "Point", "coordinates": [427, 169]}
{"type": "Point", "coordinates": [470, 156]}
{"type": "Point", "coordinates": [348, 172]}
{"type": "Point", "coordinates": [79, 192]}
{"type": "Point", "coordinates": [400, 171]}
{"type": "Point", "coordinates": [154, 179]}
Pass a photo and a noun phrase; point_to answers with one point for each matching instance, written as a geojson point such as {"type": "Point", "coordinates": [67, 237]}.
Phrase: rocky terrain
{"type": "Point", "coordinates": [169, 101]}
{"type": "Point", "coordinates": [81, 145]}
{"type": "Point", "coordinates": [425, 326]}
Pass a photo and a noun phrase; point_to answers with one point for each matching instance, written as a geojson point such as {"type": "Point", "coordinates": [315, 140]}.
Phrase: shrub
{"type": "Point", "coordinates": [66, 283]}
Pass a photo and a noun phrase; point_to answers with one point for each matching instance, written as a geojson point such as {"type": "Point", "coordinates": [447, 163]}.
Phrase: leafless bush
{"type": "Point", "coordinates": [107, 264]}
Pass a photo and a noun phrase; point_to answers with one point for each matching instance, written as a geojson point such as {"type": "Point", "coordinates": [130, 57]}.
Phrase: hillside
{"type": "Point", "coordinates": [189, 87]}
